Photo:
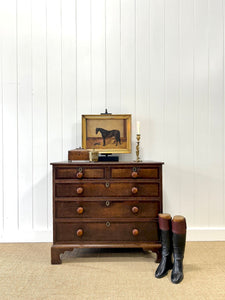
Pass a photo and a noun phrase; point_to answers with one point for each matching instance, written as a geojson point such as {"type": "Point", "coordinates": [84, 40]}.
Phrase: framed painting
{"type": "Point", "coordinates": [107, 133]}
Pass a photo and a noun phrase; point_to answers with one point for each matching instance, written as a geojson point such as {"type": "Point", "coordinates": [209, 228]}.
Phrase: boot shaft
{"type": "Point", "coordinates": [179, 241]}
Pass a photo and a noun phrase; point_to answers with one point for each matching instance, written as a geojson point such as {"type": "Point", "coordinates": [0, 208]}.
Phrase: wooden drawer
{"type": "Point", "coordinates": [135, 172]}
{"type": "Point", "coordinates": [79, 173]}
{"type": "Point", "coordinates": [106, 231]}
{"type": "Point", "coordinates": [107, 209]}
{"type": "Point", "coordinates": [108, 189]}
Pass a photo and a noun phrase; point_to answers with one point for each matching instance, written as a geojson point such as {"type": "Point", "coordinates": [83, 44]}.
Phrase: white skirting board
{"type": "Point", "coordinates": [206, 234]}
{"type": "Point", "coordinates": [26, 237]}
{"type": "Point", "coordinates": [193, 234]}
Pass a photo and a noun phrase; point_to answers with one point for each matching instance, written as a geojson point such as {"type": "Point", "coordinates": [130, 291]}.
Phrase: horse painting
{"type": "Point", "coordinates": [108, 134]}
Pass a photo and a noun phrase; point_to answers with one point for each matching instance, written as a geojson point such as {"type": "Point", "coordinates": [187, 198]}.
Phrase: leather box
{"type": "Point", "coordinates": [78, 154]}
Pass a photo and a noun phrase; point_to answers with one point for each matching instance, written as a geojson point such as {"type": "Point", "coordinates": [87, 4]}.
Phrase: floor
{"type": "Point", "coordinates": [26, 273]}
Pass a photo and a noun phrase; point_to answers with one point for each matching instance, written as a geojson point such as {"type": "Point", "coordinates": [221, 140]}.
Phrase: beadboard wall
{"type": "Point", "coordinates": [161, 61]}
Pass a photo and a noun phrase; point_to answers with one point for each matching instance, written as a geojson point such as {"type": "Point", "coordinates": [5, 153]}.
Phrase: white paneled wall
{"type": "Point", "coordinates": [161, 61]}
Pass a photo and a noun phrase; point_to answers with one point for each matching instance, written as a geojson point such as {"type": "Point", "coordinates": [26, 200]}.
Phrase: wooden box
{"type": "Point", "coordinates": [78, 154]}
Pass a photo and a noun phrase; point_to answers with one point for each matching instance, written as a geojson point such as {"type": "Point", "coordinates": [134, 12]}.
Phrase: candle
{"type": "Point", "coordinates": [138, 127]}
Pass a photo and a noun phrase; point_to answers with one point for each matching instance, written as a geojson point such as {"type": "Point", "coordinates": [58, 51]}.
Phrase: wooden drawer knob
{"type": "Point", "coordinates": [134, 174]}
{"type": "Point", "coordinates": [80, 210]}
{"type": "Point", "coordinates": [135, 209]}
{"type": "Point", "coordinates": [135, 232]}
{"type": "Point", "coordinates": [80, 175]}
{"type": "Point", "coordinates": [80, 190]}
{"type": "Point", "coordinates": [134, 190]}
{"type": "Point", "coordinates": [80, 232]}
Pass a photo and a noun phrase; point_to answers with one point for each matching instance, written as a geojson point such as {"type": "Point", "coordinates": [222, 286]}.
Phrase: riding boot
{"type": "Point", "coordinates": [179, 239]}
{"type": "Point", "coordinates": [165, 229]}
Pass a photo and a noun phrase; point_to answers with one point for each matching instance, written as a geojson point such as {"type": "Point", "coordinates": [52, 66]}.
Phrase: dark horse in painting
{"type": "Point", "coordinates": [108, 134]}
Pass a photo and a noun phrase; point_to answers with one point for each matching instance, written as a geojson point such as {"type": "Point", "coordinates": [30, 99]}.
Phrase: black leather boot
{"type": "Point", "coordinates": [179, 240]}
{"type": "Point", "coordinates": [166, 263]}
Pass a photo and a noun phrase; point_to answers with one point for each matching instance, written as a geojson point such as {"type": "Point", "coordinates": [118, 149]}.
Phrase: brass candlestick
{"type": "Point", "coordinates": [138, 136]}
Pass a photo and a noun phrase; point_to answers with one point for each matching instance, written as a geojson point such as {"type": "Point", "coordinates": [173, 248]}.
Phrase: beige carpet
{"type": "Point", "coordinates": [26, 273]}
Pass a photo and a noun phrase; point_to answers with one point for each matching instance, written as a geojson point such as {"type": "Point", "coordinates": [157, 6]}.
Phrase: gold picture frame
{"type": "Point", "coordinates": [107, 133]}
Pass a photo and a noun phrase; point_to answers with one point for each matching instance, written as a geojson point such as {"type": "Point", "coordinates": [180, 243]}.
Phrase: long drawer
{"type": "Point", "coordinates": [107, 189]}
{"type": "Point", "coordinates": [107, 209]}
{"type": "Point", "coordinates": [107, 231]}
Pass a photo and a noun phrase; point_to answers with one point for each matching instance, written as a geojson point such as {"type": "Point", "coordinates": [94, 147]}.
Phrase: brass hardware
{"type": "Point", "coordinates": [80, 170]}
{"type": "Point", "coordinates": [107, 224]}
{"type": "Point", "coordinates": [138, 136]}
{"type": "Point", "coordinates": [107, 203]}
{"type": "Point", "coordinates": [107, 184]}
{"type": "Point", "coordinates": [134, 169]}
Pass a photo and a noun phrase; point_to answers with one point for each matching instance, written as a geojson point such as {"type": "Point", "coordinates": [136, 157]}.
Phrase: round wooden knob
{"type": "Point", "coordinates": [134, 190]}
{"type": "Point", "coordinates": [135, 209]}
{"type": "Point", "coordinates": [135, 232]}
{"type": "Point", "coordinates": [80, 210]}
{"type": "Point", "coordinates": [80, 232]}
{"type": "Point", "coordinates": [80, 190]}
{"type": "Point", "coordinates": [80, 175]}
{"type": "Point", "coordinates": [134, 174]}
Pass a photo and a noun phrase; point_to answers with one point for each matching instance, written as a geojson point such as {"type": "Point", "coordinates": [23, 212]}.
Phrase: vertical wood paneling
{"type": "Point", "coordinates": [216, 112]}
{"type": "Point", "coordinates": [172, 102]}
{"type": "Point", "coordinates": [97, 56]}
{"type": "Point", "coordinates": [223, 208]}
{"type": "Point", "coordinates": [156, 81]}
{"type": "Point", "coordinates": [201, 115]}
{"type": "Point", "coordinates": [113, 56]}
{"type": "Point", "coordinates": [128, 83]}
{"type": "Point", "coordinates": [1, 127]}
{"type": "Point", "coordinates": [24, 114]}
{"type": "Point", "coordinates": [40, 109]}
{"type": "Point", "coordinates": [68, 76]}
{"type": "Point", "coordinates": [54, 90]}
{"type": "Point", "coordinates": [25, 147]}
{"type": "Point", "coordinates": [83, 63]}
{"type": "Point", "coordinates": [186, 108]}
{"type": "Point", "coordinates": [10, 125]}
{"type": "Point", "coordinates": [161, 61]}
{"type": "Point", "coordinates": [142, 73]}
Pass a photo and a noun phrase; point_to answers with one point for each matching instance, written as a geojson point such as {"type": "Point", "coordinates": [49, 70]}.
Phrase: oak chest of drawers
{"type": "Point", "coordinates": [106, 204]}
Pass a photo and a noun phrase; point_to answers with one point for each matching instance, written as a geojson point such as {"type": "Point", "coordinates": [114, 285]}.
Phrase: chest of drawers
{"type": "Point", "coordinates": [106, 204]}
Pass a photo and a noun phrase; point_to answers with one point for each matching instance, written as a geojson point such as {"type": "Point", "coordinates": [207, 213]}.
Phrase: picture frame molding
{"type": "Point", "coordinates": [126, 117]}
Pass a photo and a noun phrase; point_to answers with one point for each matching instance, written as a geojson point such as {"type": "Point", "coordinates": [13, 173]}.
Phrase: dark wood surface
{"type": "Point", "coordinates": [106, 204]}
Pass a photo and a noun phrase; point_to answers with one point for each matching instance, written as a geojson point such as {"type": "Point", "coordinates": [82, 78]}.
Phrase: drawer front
{"type": "Point", "coordinates": [122, 189]}
{"type": "Point", "coordinates": [135, 172]}
{"type": "Point", "coordinates": [107, 231]}
{"type": "Point", "coordinates": [107, 209]}
{"type": "Point", "coordinates": [79, 173]}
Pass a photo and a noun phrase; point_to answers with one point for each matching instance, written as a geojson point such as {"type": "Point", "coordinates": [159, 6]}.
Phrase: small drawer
{"type": "Point", "coordinates": [135, 172]}
{"type": "Point", "coordinates": [107, 209]}
{"type": "Point", "coordinates": [79, 173]}
{"type": "Point", "coordinates": [107, 231]}
{"type": "Point", "coordinates": [107, 189]}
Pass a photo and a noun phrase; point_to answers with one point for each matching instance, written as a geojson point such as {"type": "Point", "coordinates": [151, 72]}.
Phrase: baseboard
{"type": "Point", "coordinates": [193, 234]}
{"type": "Point", "coordinates": [206, 234]}
{"type": "Point", "coordinates": [26, 237]}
